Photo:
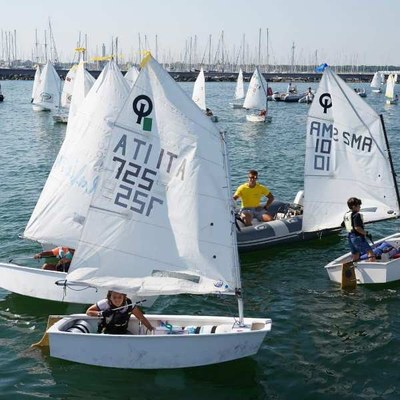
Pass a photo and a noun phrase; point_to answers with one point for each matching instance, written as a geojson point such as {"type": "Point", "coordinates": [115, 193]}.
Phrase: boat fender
{"type": "Point", "coordinates": [80, 326]}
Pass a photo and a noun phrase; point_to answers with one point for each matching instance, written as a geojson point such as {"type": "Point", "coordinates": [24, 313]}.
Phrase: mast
{"type": "Point", "coordinates": [209, 53]}
{"type": "Point", "coordinates": [140, 47]}
{"type": "Point", "coordinates": [45, 46]}
{"type": "Point", "coordinates": [292, 59]}
{"type": "Point", "coordinates": [390, 161]}
{"type": "Point", "coordinates": [222, 51]}
{"type": "Point", "coordinates": [259, 46]}
{"type": "Point", "coordinates": [236, 266]}
{"type": "Point", "coordinates": [267, 50]}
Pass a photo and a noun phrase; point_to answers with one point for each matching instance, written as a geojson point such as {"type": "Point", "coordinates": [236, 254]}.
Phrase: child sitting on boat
{"type": "Point", "coordinates": [62, 254]}
{"type": "Point", "coordinates": [115, 312]}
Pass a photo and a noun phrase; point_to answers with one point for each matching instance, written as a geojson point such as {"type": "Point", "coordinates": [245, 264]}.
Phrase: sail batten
{"type": "Point", "coordinates": [346, 156]}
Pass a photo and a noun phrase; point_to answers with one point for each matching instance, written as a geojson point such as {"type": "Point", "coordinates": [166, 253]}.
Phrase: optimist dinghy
{"type": "Point", "coordinates": [47, 93]}
{"type": "Point", "coordinates": [239, 91]}
{"type": "Point", "coordinates": [199, 95]}
{"type": "Point", "coordinates": [63, 205]}
{"type": "Point", "coordinates": [256, 99]}
{"type": "Point", "coordinates": [385, 269]}
{"type": "Point", "coordinates": [165, 164]}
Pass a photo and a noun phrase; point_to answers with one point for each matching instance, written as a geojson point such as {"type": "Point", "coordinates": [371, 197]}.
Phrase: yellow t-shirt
{"type": "Point", "coordinates": [251, 197]}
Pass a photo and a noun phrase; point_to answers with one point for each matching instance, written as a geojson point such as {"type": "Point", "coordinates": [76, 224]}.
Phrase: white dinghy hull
{"type": "Point", "coordinates": [141, 350]}
{"type": "Point", "coordinates": [368, 272]}
{"type": "Point", "coordinates": [258, 118]}
{"type": "Point", "coordinates": [41, 284]}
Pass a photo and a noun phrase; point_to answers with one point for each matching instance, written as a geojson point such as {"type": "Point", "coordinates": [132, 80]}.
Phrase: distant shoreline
{"type": "Point", "coordinates": [212, 76]}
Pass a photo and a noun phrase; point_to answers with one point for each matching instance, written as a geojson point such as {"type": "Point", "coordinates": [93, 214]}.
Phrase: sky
{"type": "Point", "coordinates": [333, 31]}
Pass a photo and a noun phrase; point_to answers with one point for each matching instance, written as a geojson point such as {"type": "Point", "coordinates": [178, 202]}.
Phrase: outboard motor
{"type": "Point", "coordinates": [299, 199]}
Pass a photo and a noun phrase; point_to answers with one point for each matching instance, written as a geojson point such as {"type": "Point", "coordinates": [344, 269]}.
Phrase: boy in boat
{"type": "Point", "coordinates": [251, 194]}
{"type": "Point", "coordinates": [115, 312]}
{"type": "Point", "coordinates": [62, 254]}
{"type": "Point", "coordinates": [354, 224]}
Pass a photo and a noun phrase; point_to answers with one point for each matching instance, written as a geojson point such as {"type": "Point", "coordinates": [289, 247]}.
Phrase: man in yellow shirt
{"type": "Point", "coordinates": [251, 194]}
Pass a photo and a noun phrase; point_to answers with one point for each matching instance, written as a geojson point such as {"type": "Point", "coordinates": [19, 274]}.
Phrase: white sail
{"type": "Point", "coordinates": [36, 80]}
{"type": "Point", "coordinates": [131, 75]}
{"type": "Point", "coordinates": [199, 91]}
{"type": "Point", "coordinates": [376, 80]}
{"type": "Point", "coordinates": [346, 156]}
{"type": "Point", "coordinates": [256, 96]}
{"type": "Point", "coordinates": [68, 87]}
{"type": "Point", "coordinates": [239, 91]}
{"type": "Point", "coordinates": [160, 221]}
{"type": "Point", "coordinates": [62, 207]}
{"type": "Point", "coordinates": [47, 95]}
{"type": "Point", "coordinates": [83, 83]}
{"type": "Point", "coordinates": [390, 87]}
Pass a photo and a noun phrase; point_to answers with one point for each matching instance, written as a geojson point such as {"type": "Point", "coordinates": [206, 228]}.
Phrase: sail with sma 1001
{"type": "Point", "coordinates": [161, 223]}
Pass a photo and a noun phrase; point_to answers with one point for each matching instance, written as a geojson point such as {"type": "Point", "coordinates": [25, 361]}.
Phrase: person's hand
{"type": "Point", "coordinates": [106, 313]}
{"type": "Point", "coordinates": [37, 256]}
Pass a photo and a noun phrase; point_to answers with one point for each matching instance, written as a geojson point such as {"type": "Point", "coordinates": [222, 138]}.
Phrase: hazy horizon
{"type": "Point", "coordinates": [340, 32]}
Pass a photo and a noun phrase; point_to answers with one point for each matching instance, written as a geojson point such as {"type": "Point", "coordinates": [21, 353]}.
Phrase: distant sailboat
{"type": "Point", "coordinates": [47, 95]}
{"type": "Point", "coordinates": [391, 97]}
{"type": "Point", "coordinates": [239, 91]}
{"type": "Point", "coordinates": [36, 80]}
{"type": "Point", "coordinates": [83, 83]}
{"type": "Point", "coordinates": [256, 98]}
{"type": "Point", "coordinates": [66, 95]}
{"type": "Point", "coordinates": [377, 82]}
{"type": "Point", "coordinates": [199, 95]}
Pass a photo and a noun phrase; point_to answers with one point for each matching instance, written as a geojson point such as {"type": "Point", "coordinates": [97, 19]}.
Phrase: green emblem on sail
{"type": "Point", "coordinates": [147, 123]}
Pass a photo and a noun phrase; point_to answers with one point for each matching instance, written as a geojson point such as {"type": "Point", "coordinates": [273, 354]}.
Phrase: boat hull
{"type": "Point", "coordinates": [62, 119]}
{"type": "Point", "coordinates": [236, 105]}
{"type": "Point", "coordinates": [258, 118]}
{"type": "Point", "coordinates": [41, 284]}
{"type": "Point", "coordinates": [141, 350]}
{"type": "Point", "coordinates": [367, 272]}
{"type": "Point", "coordinates": [37, 107]}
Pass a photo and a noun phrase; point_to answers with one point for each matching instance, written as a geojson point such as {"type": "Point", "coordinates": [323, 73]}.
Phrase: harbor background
{"type": "Point", "coordinates": [325, 343]}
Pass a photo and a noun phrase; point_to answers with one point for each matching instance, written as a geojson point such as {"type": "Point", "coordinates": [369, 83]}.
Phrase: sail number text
{"type": "Point", "coordinates": [137, 182]}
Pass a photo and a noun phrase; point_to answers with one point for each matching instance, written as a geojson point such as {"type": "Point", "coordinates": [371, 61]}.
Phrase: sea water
{"type": "Point", "coordinates": [325, 343]}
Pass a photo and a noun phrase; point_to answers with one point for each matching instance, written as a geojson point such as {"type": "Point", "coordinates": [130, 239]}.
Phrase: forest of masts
{"type": "Point", "coordinates": [211, 54]}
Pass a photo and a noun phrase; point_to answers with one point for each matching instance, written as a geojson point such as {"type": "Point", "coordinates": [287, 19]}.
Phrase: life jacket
{"type": "Point", "coordinates": [62, 252]}
{"type": "Point", "coordinates": [118, 322]}
{"type": "Point", "coordinates": [348, 221]}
